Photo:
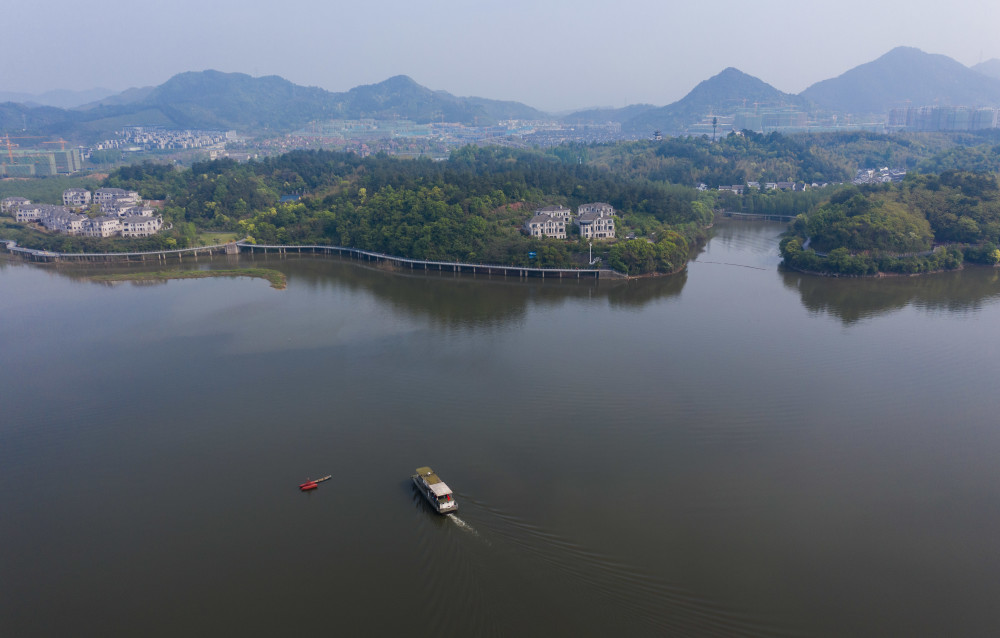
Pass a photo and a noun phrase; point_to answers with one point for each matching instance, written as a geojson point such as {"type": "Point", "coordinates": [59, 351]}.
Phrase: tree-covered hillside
{"type": "Point", "coordinates": [733, 159]}
{"type": "Point", "coordinates": [469, 208]}
{"type": "Point", "coordinates": [928, 222]}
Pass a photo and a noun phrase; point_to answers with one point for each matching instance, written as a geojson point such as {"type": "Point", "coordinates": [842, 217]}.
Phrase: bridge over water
{"type": "Point", "coordinates": [758, 216]}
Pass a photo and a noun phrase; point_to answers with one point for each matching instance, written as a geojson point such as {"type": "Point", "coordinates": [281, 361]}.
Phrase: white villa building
{"type": "Point", "coordinates": [140, 225]}
{"type": "Point", "coordinates": [10, 204]}
{"type": "Point", "coordinates": [596, 221]}
{"type": "Point", "coordinates": [104, 195]}
{"type": "Point", "coordinates": [557, 212]}
{"type": "Point", "coordinates": [106, 226]}
{"type": "Point", "coordinates": [76, 197]}
{"type": "Point", "coordinates": [544, 225]}
{"type": "Point", "coordinates": [127, 218]}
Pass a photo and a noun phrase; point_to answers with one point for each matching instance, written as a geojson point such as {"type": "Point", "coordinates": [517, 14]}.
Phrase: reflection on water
{"type": "Point", "coordinates": [852, 300]}
{"type": "Point", "coordinates": [448, 299]}
{"type": "Point", "coordinates": [454, 300]}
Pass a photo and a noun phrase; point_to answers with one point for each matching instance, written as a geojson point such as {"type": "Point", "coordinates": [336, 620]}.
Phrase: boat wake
{"type": "Point", "coordinates": [648, 603]}
{"type": "Point", "coordinates": [462, 524]}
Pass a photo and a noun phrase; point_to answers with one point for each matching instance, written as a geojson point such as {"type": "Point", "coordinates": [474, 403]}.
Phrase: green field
{"type": "Point", "coordinates": [45, 190]}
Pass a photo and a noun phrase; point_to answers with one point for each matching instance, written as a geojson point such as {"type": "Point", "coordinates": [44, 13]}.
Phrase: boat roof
{"type": "Point", "coordinates": [440, 489]}
{"type": "Point", "coordinates": [433, 481]}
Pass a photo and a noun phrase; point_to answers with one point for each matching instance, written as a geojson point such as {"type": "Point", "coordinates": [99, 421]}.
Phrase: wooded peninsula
{"type": "Point", "coordinates": [665, 193]}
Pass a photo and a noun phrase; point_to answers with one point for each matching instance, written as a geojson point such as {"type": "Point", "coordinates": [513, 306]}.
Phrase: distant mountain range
{"type": "Point", "coordinates": [719, 94]}
{"type": "Point", "coordinates": [901, 77]}
{"type": "Point", "coordinates": [989, 67]}
{"type": "Point", "coordinates": [215, 100]}
{"type": "Point", "coordinates": [61, 98]}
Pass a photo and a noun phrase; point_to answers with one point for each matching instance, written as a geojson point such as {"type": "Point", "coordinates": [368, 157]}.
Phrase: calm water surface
{"type": "Point", "coordinates": [735, 451]}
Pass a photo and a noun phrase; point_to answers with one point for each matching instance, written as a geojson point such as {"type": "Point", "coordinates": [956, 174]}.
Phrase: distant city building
{"type": "Point", "coordinates": [944, 118]}
{"type": "Point", "coordinates": [140, 138]}
{"type": "Point", "coordinates": [32, 163]}
{"type": "Point", "coordinates": [770, 119]}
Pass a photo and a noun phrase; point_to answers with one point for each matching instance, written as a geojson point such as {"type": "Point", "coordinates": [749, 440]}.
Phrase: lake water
{"type": "Point", "coordinates": [734, 451]}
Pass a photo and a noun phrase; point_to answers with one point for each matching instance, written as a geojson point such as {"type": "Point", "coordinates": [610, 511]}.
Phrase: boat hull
{"type": "Point", "coordinates": [431, 498]}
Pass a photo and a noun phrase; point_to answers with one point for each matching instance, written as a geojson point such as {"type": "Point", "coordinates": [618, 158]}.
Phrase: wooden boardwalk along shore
{"type": "Point", "coordinates": [440, 266]}
{"type": "Point", "coordinates": [32, 254]}
{"type": "Point", "coordinates": [235, 248]}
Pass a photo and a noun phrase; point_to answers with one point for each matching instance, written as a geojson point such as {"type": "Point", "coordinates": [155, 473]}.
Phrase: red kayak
{"type": "Point", "coordinates": [311, 484]}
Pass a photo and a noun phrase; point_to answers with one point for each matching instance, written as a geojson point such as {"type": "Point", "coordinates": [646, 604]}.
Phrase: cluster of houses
{"type": "Point", "coordinates": [595, 221]}
{"type": "Point", "coordinates": [136, 138]}
{"type": "Point", "coordinates": [879, 175]}
{"type": "Point", "coordinates": [739, 189]}
{"type": "Point", "coordinates": [122, 213]}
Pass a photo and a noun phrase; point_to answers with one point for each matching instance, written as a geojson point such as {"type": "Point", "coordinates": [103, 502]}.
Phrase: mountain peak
{"type": "Point", "coordinates": [905, 75]}
{"type": "Point", "coordinates": [902, 51]}
{"type": "Point", "coordinates": [724, 91]}
{"type": "Point", "coordinates": [990, 68]}
{"type": "Point", "coordinates": [399, 80]}
{"type": "Point", "coordinates": [730, 71]}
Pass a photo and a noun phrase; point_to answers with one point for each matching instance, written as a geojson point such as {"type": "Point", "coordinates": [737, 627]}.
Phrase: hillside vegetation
{"type": "Point", "coordinates": [470, 208]}
{"type": "Point", "coordinates": [926, 223]}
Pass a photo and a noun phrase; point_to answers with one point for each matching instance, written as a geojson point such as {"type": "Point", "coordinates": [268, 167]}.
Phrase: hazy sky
{"type": "Point", "coordinates": [553, 55]}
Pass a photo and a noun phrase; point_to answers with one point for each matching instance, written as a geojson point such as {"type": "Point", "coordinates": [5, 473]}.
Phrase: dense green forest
{"type": "Point", "coordinates": [801, 157]}
{"type": "Point", "coordinates": [469, 208]}
{"type": "Point", "coordinates": [925, 223]}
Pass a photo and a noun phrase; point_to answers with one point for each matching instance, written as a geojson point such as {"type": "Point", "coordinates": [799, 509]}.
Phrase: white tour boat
{"type": "Point", "coordinates": [437, 493]}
